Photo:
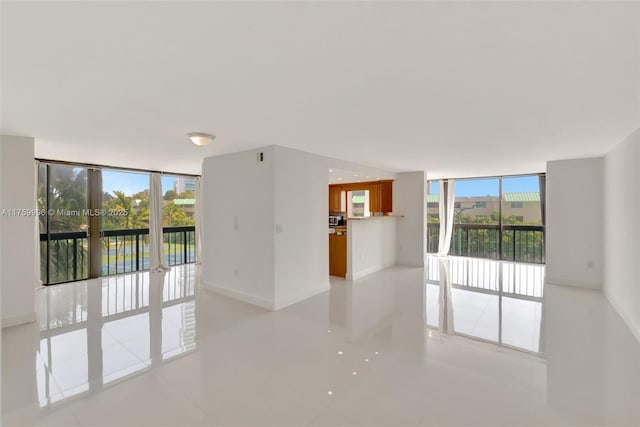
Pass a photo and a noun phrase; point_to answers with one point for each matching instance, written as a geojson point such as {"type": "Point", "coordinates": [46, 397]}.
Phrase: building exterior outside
{"type": "Point", "coordinates": [182, 184]}
{"type": "Point", "coordinates": [187, 205]}
{"type": "Point", "coordinates": [524, 207]}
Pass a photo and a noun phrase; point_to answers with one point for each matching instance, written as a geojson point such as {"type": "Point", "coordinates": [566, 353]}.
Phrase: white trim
{"type": "Point", "coordinates": [596, 286]}
{"type": "Point", "coordinates": [238, 295]}
{"type": "Point", "coordinates": [301, 296]}
{"type": "Point", "coordinates": [368, 271]}
{"type": "Point", "coordinates": [21, 319]}
{"type": "Point", "coordinates": [634, 329]}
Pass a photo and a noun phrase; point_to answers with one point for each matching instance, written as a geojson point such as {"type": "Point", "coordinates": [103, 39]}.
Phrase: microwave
{"type": "Point", "coordinates": [335, 220]}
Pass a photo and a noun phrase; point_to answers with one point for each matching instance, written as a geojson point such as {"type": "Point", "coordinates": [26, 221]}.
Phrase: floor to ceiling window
{"type": "Point", "coordinates": [125, 227]}
{"type": "Point", "coordinates": [178, 219]}
{"type": "Point", "coordinates": [63, 222]}
{"type": "Point", "coordinates": [94, 221]}
{"type": "Point", "coordinates": [494, 218]}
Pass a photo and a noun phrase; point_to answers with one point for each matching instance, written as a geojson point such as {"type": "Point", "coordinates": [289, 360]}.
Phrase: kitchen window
{"type": "Point", "coordinates": [358, 204]}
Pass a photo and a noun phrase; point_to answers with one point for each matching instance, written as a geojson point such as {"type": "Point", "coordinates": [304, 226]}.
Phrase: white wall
{"type": "Point", "coordinates": [574, 218]}
{"type": "Point", "coordinates": [371, 246]}
{"type": "Point", "coordinates": [301, 186]}
{"type": "Point", "coordinates": [409, 200]}
{"type": "Point", "coordinates": [1, 285]}
{"type": "Point", "coordinates": [622, 230]}
{"type": "Point", "coordinates": [279, 253]}
{"type": "Point", "coordinates": [238, 226]}
{"type": "Point", "coordinates": [18, 241]}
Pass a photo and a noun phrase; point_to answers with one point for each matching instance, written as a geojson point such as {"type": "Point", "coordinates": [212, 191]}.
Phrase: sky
{"type": "Point", "coordinates": [131, 182]}
{"type": "Point", "coordinates": [489, 187]}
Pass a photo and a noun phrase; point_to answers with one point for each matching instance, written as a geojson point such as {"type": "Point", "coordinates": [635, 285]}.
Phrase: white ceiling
{"type": "Point", "coordinates": [455, 89]}
{"type": "Point", "coordinates": [342, 176]}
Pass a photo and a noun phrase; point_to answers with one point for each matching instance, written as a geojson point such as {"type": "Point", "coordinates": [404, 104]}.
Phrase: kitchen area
{"type": "Point", "coordinates": [361, 225]}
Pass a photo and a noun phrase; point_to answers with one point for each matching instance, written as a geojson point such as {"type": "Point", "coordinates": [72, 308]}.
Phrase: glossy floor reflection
{"type": "Point", "coordinates": [391, 349]}
{"type": "Point", "coordinates": [498, 302]}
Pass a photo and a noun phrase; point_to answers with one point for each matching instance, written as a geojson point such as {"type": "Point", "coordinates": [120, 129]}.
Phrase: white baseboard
{"type": "Point", "coordinates": [302, 296]}
{"type": "Point", "coordinates": [238, 295]}
{"type": "Point", "coordinates": [21, 319]}
{"type": "Point", "coordinates": [635, 329]}
{"type": "Point", "coordinates": [263, 302]}
{"type": "Point", "coordinates": [574, 283]}
{"type": "Point", "coordinates": [368, 271]}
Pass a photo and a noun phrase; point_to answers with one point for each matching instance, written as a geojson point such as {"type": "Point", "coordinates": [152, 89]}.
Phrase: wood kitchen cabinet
{"type": "Point", "coordinates": [380, 196]}
{"type": "Point", "coordinates": [335, 198]}
{"type": "Point", "coordinates": [374, 197]}
{"type": "Point", "coordinates": [385, 196]}
{"type": "Point", "coordinates": [338, 255]}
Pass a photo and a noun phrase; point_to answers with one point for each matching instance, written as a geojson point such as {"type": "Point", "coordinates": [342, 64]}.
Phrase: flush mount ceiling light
{"type": "Point", "coordinates": [201, 139]}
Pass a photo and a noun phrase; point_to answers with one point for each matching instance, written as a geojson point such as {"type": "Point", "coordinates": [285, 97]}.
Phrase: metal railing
{"type": "Point", "coordinates": [520, 243]}
{"type": "Point", "coordinates": [180, 245]}
{"type": "Point", "coordinates": [68, 257]}
{"type": "Point", "coordinates": [123, 251]}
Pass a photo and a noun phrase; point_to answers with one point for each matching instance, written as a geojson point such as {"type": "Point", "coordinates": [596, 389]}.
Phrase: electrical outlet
{"type": "Point", "coordinates": [235, 272]}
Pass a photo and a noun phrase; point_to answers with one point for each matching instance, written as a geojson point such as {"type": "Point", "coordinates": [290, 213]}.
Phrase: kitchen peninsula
{"type": "Point", "coordinates": [362, 232]}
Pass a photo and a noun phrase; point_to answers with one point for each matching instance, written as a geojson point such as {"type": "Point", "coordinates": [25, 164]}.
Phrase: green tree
{"type": "Point", "coordinates": [188, 194]}
{"type": "Point", "coordinates": [63, 189]}
{"type": "Point", "coordinates": [68, 193]}
{"type": "Point", "coordinates": [170, 195]}
{"type": "Point", "coordinates": [174, 216]}
{"type": "Point", "coordinates": [141, 195]}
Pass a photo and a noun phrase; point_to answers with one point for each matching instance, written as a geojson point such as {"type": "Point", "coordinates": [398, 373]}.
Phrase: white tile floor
{"type": "Point", "coordinates": [136, 350]}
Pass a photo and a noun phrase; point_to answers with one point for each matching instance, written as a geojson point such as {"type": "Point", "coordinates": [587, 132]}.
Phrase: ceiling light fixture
{"type": "Point", "coordinates": [201, 139]}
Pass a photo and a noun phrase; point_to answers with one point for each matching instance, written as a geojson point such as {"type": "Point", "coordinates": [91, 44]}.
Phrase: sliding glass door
{"type": "Point", "coordinates": [476, 218]}
{"type": "Point", "coordinates": [494, 218]}
{"type": "Point", "coordinates": [523, 218]}
{"type": "Point", "coordinates": [125, 225]}
{"type": "Point", "coordinates": [179, 219]}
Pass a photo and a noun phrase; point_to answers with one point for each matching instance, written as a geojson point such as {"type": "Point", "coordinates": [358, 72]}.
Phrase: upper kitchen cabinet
{"type": "Point", "coordinates": [336, 199]}
{"type": "Point", "coordinates": [385, 193]}
{"type": "Point", "coordinates": [374, 197]}
{"type": "Point", "coordinates": [380, 196]}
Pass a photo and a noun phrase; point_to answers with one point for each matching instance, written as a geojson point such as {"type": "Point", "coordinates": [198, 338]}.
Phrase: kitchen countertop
{"type": "Point", "coordinates": [366, 218]}
{"type": "Point", "coordinates": [338, 231]}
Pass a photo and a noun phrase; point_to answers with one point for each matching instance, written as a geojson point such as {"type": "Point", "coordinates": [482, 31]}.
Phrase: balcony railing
{"type": "Point", "coordinates": [68, 257]}
{"type": "Point", "coordinates": [520, 243]}
{"type": "Point", "coordinates": [123, 251]}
